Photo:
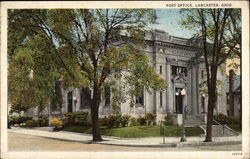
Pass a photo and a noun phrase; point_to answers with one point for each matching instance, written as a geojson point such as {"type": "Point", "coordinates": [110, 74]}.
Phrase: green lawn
{"type": "Point", "coordinates": [138, 131]}
{"type": "Point", "coordinates": [235, 127]}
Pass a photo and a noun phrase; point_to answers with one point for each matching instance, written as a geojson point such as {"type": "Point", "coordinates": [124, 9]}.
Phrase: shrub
{"type": "Point", "coordinates": [223, 119]}
{"type": "Point", "coordinates": [56, 123]}
{"type": "Point", "coordinates": [80, 118]}
{"type": "Point", "coordinates": [142, 120]}
{"type": "Point", "coordinates": [31, 123]}
{"type": "Point", "coordinates": [43, 121]}
{"type": "Point", "coordinates": [103, 121]}
{"type": "Point", "coordinates": [124, 120]}
{"type": "Point", "coordinates": [168, 120]}
{"type": "Point", "coordinates": [234, 120]}
{"type": "Point", "coordinates": [23, 119]}
{"type": "Point", "coordinates": [150, 118]}
{"type": "Point", "coordinates": [75, 119]}
{"type": "Point", "coordinates": [12, 119]}
{"type": "Point", "coordinates": [114, 120]}
{"type": "Point", "coordinates": [68, 119]}
{"type": "Point", "coordinates": [134, 122]}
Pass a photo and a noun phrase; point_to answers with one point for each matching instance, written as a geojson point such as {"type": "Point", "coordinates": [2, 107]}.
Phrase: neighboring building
{"type": "Point", "coordinates": [235, 109]}
{"type": "Point", "coordinates": [171, 57]}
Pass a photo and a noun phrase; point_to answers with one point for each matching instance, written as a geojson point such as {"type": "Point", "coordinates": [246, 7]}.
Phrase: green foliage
{"type": "Point", "coordinates": [224, 119]}
{"type": "Point", "coordinates": [79, 129]}
{"type": "Point", "coordinates": [142, 120]}
{"type": "Point", "coordinates": [56, 123]}
{"type": "Point", "coordinates": [13, 119]}
{"type": "Point", "coordinates": [138, 131]}
{"type": "Point", "coordinates": [32, 69]}
{"type": "Point", "coordinates": [32, 123]}
{"type": "Point", "coordinates": [114, 120]}
{"type": "Point", "coordinates": [83, 48]}
{"type": "Point", "coordinates": [151, 118]}
{"type": "Point", "coordinates": [218, 34]}
{"type": "Point", "coordinates": [168, 120]}
{"type": "Point", "coordinates": [203, 89]}
{"type": "Point", "coordinates": [75, 118]}
{"type": "Point", "coordinates": [57, 98]}
{"type": "Point", "coordinates": [80, 38]}
{"type": "Point", "coordinates": [68, 119]}
{"type": "Point", "coordinates": [235, 127]}
{"type": "Point", "coordinates": [81, 118]}
{"type": "Point", "coordinates": [133, 122]}
{"type": "Point", "coordinates": [103, 121]}
{"type": "Point", "coordinates": [124, 120]}
{"type": "Point", "coordinates": [43, 121]}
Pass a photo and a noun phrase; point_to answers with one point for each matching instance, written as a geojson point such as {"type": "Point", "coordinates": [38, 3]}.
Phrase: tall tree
{"type": "Point", "coordinates": [97, 47]}
{"type": "Point", "coordinates": [31, 76]}
{"type": "Point", "coordinates": [219, 39]}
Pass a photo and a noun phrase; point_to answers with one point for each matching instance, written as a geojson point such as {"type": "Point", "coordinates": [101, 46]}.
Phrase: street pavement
{"type": "Point", "coordinates": [46, 132]}
{"type": "Point", "coordinates": [18, 142]}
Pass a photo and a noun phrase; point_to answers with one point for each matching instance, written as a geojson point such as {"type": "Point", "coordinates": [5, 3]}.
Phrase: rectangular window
{"type": "Point", "coordinates": [161, 99]}
{"type": "Point", "coordinates": [203, 104]}
{"type": "Point", "coordinates": [140, 98]}
{"type": "Point", "coordinates": [85, 96]}
{"type": "Point", "coordinates": [179, 69]}
{"type": "Point", "coordinates": [202, 74]}
{"type": "Point", "coordinates": [160, 69]}
{"type": "Point", "coordinates": [70, 102]}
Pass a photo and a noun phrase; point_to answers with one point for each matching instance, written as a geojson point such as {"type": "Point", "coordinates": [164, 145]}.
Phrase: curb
{"type": "Point", "coordinates": [153, 146]}
{"type": "Point", "coordinates": [178, 144]}
{"type": "Point", "coordinates": [215, 143]}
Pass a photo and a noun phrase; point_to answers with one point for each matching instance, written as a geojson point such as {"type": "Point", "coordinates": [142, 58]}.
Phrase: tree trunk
{"type": "Point", "coordinates": [209, 120]}
{"type": "Point", "coordinates": [231, 95]}
{"type": "Point", "coordinates": [95, 102]}
{"type": "Point", "coordinates": [240, 106]}
{"type": "Point", "coordinates": [212, 98]}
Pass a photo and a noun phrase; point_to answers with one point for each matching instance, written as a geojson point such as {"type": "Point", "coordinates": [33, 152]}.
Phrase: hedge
{"type": "Point", "coordinates": [223, 119]}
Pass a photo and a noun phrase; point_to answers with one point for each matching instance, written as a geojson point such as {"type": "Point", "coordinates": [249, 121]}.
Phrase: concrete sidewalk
{"type": "Point", "coordinates": [47, 132]}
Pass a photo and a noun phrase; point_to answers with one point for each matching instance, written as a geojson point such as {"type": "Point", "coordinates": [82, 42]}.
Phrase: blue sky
{"type": "Point", "coordinates": [168, 20]}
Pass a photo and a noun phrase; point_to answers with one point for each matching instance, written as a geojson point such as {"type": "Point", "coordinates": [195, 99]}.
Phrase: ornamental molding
{"type": "Point", "coordinates": [179, 52]}
{"type": "Point", "coordinates": [180, 78]}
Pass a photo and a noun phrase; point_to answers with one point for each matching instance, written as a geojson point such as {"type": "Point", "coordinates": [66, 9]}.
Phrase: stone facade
{"type": "Point", "coordinates": [172, 59]}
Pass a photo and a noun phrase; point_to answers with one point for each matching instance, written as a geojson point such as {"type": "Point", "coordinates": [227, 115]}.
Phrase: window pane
{"type": "Point", "coordinates": [161, 99]}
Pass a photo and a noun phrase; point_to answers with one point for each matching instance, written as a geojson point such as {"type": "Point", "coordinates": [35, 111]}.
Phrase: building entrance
{"type": "Point", "coordinates": [178, 101]}
{"type": "Point", "coordinates": [70, 102]}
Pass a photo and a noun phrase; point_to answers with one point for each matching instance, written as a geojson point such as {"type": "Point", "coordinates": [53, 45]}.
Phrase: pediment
{"type": "Point", "coordinates": [180, 78]}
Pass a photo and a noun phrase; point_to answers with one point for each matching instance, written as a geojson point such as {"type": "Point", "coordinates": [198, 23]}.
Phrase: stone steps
{"type": "Point", "coordinates": [218, 131]}
{"type": "Point", "coordinates": [193, 121]}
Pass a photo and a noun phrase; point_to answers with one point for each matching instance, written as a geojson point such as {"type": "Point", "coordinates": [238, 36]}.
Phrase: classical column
{"type": "Point", "coordinates": [169, 98]}
{"type": "Point", "coordinates": [194, 91]}
{"type": "Point", "coordinates": [198, 107]}
{"type": "Point", "coordinates": [189, 88]}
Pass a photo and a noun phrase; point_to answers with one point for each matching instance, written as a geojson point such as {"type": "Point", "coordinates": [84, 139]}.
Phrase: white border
{"type": "Point", "coordinates": [244, 5]}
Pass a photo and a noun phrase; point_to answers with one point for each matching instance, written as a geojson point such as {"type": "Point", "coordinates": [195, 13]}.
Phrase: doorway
{"type": "Point", "coordinates": [70, 102]}
{"type": "Point", "coordinates": [178, 101]}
